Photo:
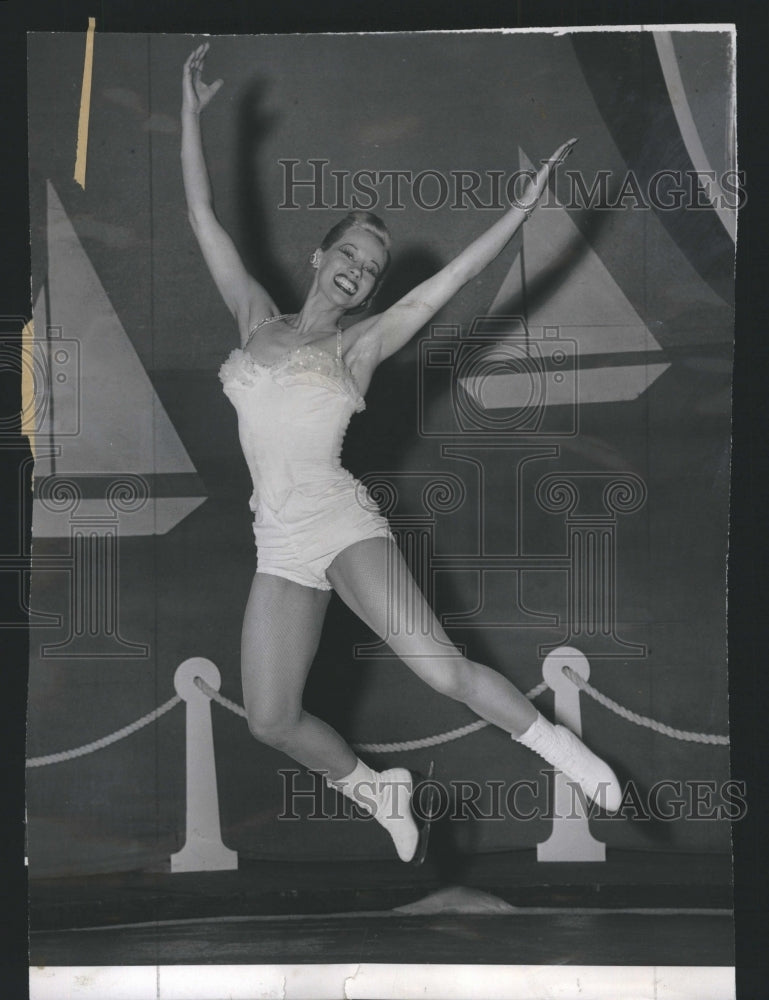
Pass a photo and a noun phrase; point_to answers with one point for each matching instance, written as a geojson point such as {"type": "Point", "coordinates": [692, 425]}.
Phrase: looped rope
{"type": "Point", "coordinates": [434, 741]}
{"type": "Point", "coordinates": [426, 741]}
{"type": "Point", "coordinates": [474, 727]}
{"type": "Point", "coordinates": [214, 695]}
{"type": "Point", "coordinates": [55, 758]}
{"type": "Point", "coordinates": [642, 720]}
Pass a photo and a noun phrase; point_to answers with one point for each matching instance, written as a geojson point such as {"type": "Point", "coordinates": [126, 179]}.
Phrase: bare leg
{"type": "Point", "coordinates": [281, 631]}
{"type": "Point", "coordinates": [373, 579]}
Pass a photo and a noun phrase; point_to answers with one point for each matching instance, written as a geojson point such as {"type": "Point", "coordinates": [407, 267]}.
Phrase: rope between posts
{"type": "Point", "coordinates": [55, 758]}
{"type": "Point", "coordinates": [405, 745]}
{"type": "Point", "coordinates": [434, 741]}
{"type": "Point", "coordinates": [474, 727]}
{"type": "Point", "coordinates": [426, 741]}
{"type": "Point", "coordinates": [642, 720]}
{"type": "Point", "coordinates": [214, 695]}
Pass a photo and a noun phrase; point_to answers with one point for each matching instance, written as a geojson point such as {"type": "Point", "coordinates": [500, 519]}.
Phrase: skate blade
{"type": "Point", "coordinates": [427, 810]}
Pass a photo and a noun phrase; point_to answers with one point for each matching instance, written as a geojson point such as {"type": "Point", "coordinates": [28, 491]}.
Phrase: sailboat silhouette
{"type": "Point", "coordinates": [101, 434]}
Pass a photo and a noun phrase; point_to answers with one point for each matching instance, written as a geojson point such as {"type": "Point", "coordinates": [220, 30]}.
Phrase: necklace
{"type": "Point", "coordinates": [286, 316]}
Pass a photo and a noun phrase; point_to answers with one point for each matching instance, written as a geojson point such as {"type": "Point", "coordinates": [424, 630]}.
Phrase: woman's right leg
{"type": "Point", "coordinates": [281, 631]}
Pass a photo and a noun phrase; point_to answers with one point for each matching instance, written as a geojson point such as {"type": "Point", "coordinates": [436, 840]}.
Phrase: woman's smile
{"type": "Point", "coordinates": [347, 285]}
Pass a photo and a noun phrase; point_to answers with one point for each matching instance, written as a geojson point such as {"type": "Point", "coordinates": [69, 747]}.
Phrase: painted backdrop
{"type": "Point", "coordinates": [553, 451]}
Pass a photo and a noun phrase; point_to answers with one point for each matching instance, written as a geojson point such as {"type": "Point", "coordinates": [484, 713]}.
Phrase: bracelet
{"type": "Point", "coordinates": [526, 209]}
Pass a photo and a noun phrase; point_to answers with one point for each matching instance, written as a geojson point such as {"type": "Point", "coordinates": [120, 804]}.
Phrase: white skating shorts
{"type": "Point", "coordinates": [315, 522]}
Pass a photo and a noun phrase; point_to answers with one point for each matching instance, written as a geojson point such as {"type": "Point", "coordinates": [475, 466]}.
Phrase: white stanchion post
{"type": "Point", "coordinates": [203, 849]}
{"type": "Point", "coordinates": [570, 838]}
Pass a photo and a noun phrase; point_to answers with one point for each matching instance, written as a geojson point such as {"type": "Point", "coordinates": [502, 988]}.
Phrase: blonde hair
{"type": "Point", "coordinates": [359, 219]}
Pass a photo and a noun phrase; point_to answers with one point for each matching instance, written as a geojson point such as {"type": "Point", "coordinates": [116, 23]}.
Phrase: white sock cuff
{"type": "Point", "coordinates": [362, 779]}
{"type": "Point", "coordinates": [540, 730]}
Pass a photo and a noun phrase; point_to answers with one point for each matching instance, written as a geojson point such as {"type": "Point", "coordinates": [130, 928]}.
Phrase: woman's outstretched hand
{"type": "Point", "coordinates": [535, 188]}
{"type": "Point", "coordinates": [195, 93]}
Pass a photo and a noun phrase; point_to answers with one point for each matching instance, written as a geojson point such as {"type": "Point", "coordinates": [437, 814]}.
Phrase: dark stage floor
{"type": "Point", "coordinates": [501, 908]}
{"type": "Point", "coordinates": [603, 938]}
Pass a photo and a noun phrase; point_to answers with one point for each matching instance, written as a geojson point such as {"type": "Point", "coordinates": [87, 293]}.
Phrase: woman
{"type": "Point", "coordinates": [295, 382]}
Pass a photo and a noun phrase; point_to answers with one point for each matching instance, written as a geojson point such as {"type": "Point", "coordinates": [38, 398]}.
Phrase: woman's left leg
{"type": "Point", "coordinates": [372, 578]}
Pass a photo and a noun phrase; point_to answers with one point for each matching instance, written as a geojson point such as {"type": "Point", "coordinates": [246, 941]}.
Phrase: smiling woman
{"type": "Point", "coordinates": [354, 247]}
{"type": "Point", "coordinates": [295, 382]}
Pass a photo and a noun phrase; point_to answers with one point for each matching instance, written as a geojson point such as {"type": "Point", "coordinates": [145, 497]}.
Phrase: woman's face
{"type": "Point", "coordinates": [350, 269]}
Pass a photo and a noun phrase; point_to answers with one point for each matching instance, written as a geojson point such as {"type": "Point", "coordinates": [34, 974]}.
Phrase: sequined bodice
{"type": "Point", "coordinates": [309, 363]}
{"type": "Point", "coordinates": [292, 417]}
{"type": "Point", "coordinates": [305, 359]}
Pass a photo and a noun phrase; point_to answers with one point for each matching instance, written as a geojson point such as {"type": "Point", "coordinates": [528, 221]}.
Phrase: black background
{"type": "Point", "coordinates": [748, 537]}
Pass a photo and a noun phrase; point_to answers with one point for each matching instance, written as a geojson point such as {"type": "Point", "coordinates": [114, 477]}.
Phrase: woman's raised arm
{"type": "Point", "coordinates": [246, 299]}
{"type": "Point", "coordinates": [398, 324]}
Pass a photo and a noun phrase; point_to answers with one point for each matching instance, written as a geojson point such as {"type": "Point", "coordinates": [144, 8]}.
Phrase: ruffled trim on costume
{"type": "Point", "coordinates": [323, 368]}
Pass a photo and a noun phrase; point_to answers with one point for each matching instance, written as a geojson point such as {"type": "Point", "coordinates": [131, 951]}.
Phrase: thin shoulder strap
{"type": "Point", "coordinates": [260, 324]}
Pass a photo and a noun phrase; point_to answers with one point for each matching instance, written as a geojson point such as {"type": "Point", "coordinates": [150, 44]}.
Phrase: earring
{"type": "Point", "coordinates": [315, 258]}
